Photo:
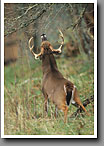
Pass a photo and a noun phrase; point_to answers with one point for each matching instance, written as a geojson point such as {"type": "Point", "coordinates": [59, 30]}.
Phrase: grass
{"type": "Point", "coordinates": [24, 114]}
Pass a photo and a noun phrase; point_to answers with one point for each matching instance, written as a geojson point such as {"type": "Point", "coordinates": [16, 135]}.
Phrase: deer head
{"type": "Point", "coordinates": [46, 47]}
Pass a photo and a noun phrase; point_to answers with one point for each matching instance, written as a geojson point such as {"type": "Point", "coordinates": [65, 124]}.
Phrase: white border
{"type": "Point", "coordinates": [95, 69]}
{"type": "Point", "coordinates": [49, 1]}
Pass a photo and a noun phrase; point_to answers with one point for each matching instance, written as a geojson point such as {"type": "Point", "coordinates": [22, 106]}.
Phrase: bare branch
{"type": "Point", "coordinates": [24, 24]}
{"type": "Point", "coordinates": [85, 103]}
{"type": "Point", "coordinates": [28, 9]}
{"type": "Point", "coordinates": [80, 18]}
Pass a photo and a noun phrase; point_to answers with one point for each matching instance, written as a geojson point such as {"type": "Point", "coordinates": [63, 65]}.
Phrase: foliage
{"type": "Point", "coordinates": [75, 20]}
{"type": "Point", "coordinates": [24, 114]}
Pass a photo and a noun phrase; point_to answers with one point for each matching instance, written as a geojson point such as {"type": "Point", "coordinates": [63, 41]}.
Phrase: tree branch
{"type": "Point", "coordinates": [85, 103]}
{"type": "Point", "coordinates": [27, 23]}
{"type": "Point", "coordinates": [28, 9]}
{"type": "Point", "coordinates": [79, 19]}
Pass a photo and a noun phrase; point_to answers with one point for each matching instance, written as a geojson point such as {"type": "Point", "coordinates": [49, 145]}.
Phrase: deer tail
{"type": "Point", "coordinates": [68, 88]}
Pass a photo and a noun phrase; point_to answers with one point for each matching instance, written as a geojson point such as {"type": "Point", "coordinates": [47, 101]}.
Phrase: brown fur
{"type": "Point", "coordinates": [53, 82]}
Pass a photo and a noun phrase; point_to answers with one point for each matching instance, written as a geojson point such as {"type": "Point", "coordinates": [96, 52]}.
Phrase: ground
{"type": "Point", "coordinates": [24, 114]}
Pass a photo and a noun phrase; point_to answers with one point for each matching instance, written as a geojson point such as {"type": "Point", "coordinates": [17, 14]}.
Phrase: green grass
{"type": "Point", "coordinates": [24, 114]}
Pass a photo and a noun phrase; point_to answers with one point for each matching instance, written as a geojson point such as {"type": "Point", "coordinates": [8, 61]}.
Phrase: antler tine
{"type": "Point", "coordinates": [59, 49]}
{"type": "Point", "coordinates": [62, 36]}
{"type": "Point", "coordinates": [31, 49]}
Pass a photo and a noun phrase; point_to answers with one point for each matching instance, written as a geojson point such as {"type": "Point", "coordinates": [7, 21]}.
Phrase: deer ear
{"type": "Point", "coordinates": [41, 36]}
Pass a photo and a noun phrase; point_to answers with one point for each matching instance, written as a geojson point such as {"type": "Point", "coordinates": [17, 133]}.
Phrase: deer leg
{"type": "Point", "coordinates": [78, 101]}
{"type": "Point", "coordinates": [46, 105]}
{"type": "Point", "coordinates": [56, 112]}
{"type": "Point", "coordinates": [65, 114]}
{"type": "Point", "coordinates": [65, 110]}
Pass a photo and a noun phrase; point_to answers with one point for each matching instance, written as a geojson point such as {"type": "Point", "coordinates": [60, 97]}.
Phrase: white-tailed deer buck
{"type": "Point", "coordinates": [55, 87]}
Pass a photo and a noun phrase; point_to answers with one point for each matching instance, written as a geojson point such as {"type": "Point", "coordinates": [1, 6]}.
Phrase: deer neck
{"type": "Point", "coordinates": [48, 63]}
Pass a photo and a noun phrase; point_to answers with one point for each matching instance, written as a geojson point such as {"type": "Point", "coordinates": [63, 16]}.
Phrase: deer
{"type": "Point", "coordinates": [55, 87]}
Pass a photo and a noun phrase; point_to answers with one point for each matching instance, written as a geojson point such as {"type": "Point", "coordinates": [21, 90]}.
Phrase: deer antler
{"type": "Point", "coordinates": [59, 49]}
{"type": "Point", "coordinates": [31, 47]}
